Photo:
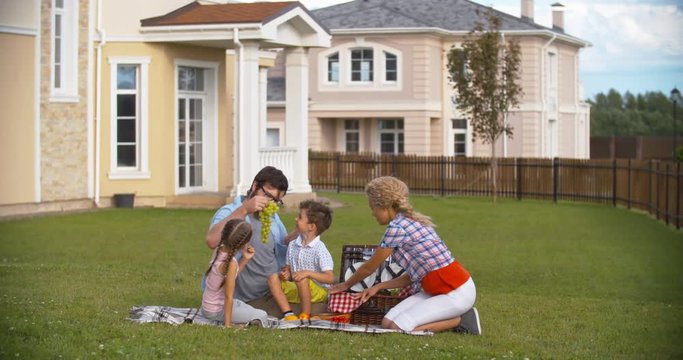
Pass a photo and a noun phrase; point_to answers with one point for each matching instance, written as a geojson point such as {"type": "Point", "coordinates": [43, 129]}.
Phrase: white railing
{"type": "Point", "coordinates": [280, 157]}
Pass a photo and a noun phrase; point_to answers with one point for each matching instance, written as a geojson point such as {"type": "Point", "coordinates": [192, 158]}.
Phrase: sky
{"type": "Point", "coordinates": [636, 45]}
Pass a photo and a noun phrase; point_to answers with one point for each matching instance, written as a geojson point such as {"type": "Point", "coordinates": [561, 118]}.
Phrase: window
{"type": "Point", "coordinates": [129, 118]}
{"type": "Point", "coordinates": [64, 55]}
{"type": "Point", "coordinates": [552, 81]}
{"type": "Point", "coordinates": [333, 68]}
{"type": "Point", "coordinates": [361, 65]}
{"type": "Point", "coordinates": [391, 68]}
{"type": "Point", "coordinates": [352, 135]}
{"type": "Point", "coordinates": [459, 136]}
{"type": "Point", "coordinates": [391, 136]}
{"type": "Point", "coordinates": [272, 137]}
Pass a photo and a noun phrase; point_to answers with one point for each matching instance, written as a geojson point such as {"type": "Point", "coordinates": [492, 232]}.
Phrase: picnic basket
{"type": "Point", "coordinates": [372, 311]}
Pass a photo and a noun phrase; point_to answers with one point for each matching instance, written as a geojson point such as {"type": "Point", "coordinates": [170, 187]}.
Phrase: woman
{"type": "Point", "coordinates": [447, 293]}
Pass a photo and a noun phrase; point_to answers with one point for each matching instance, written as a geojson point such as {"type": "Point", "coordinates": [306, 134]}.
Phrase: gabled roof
{"type": "Point", "coordinates": [272, 24]}
{"type": "Point", "coordinates": [444, 15]}
{"type": "Point", "coordinates": [196, 13]}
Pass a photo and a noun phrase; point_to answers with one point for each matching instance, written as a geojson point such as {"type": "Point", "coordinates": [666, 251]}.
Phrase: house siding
{"type": "Point", "coordinates": [17, 122]}
{"type": "Point", "coordinates": [162, 118]}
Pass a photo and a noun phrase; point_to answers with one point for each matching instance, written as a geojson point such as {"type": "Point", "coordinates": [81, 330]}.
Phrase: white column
{"type": "Point", "coordinates": [296, 117]}
{"type": "Point", "coordinates": [263, 95]}
{"type": "Point", "coordinates": [249, 119]}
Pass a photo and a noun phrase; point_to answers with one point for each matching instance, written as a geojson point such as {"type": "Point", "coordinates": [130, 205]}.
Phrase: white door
{"type": "Point", "coordinates": [190, 143]}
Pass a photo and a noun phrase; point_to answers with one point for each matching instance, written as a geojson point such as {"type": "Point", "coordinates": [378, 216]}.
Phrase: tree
{"type": "Point", "coordinates": [485, 72]}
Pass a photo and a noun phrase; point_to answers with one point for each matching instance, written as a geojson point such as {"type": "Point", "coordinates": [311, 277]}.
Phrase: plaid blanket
{"type": "Point", "coordinates": [177, 316]}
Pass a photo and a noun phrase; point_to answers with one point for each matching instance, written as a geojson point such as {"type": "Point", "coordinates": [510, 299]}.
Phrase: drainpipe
{"type": "Point", "coordinates": [505, 116]}
{"type": "Point", "coordinates": [36, 108]}
{"type": "Point", "coordinates": [236, 138]}
{"type": "Point", "coordinates": [544, 90]}
{"type": "Point", "coordinates": [98, 100]}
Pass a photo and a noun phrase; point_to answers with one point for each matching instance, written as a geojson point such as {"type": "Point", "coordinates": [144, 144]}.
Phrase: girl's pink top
{"type": "Point", "coordinates": [213, 300]}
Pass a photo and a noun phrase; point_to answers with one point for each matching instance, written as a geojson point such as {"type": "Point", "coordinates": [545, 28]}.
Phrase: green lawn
{"type": "Point", "coordinates": [562, 281]}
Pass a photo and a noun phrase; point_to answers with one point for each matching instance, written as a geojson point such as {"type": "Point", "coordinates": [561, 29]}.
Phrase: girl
{"type": "Point", "coordinates": [448, 292]}
{"type": "Point", "coordinates": [217, 302]}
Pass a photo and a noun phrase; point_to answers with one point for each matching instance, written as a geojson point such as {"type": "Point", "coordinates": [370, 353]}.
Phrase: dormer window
{"type": "Point", "coordinates": [361, 65]}
{"type": "Point", "coordinates": [391, 68]}
{"type": "Point", "coordinates": [333, 68]}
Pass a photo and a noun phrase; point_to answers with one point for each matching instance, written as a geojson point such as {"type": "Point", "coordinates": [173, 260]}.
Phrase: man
{"type": "Point", "coordinates": [270, 184]}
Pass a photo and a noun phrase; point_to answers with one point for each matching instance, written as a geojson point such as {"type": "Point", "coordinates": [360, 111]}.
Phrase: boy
{"type": "Point", "coordinates": [308, 270]}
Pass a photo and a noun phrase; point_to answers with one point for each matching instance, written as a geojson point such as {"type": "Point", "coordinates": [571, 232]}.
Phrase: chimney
{"type": "Point", "coordinates": [558, 16]}
{"type": "Point", "coordinates": [528, 10]}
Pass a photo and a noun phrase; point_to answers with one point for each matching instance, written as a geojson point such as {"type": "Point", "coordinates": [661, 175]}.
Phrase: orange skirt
{"type": "Point", "coordinates": [446, 279]}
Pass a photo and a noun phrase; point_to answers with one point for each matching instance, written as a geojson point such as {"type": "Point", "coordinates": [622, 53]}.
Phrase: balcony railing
{"type": "Point", "coordinates": [280, 157]}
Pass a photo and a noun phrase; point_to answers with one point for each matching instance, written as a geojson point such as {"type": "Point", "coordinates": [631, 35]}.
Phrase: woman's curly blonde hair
{"type": "Point", "coordinates": [389, 192]}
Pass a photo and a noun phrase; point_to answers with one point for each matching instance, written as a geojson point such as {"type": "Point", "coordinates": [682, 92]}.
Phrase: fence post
{"type": "Point", "coordinates": [556, 173]}
{"type": "Point", "coordinates": [657, 186]}
{"type": "Point", "coordinates": [678, 195]}
{"type": "Point", "coordinates": [338, 172]}
{"type": "Point", "coordinates": [614, 182]}
{"type": "Point", "coordinates": [443, 175]}
{"type": "Point", "coordinates": [666, 195]}
{"type": "Point", "coordinates": [520, 176]}
{"type": "Point", "coordinates": [628, 204]}
{"type": "Point", "coordinates": [649, 187]}
{"type": "Point", "coordinates": [393, 164]}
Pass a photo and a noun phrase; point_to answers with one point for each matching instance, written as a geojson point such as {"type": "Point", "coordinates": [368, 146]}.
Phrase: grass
{"type": "Point", "coordinates": [562, 281]}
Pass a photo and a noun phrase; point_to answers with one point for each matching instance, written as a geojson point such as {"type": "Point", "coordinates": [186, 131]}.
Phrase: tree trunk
{"type": "Point", "coordinates": [494, 171]}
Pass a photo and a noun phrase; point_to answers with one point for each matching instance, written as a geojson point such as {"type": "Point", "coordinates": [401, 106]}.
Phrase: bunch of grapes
{"type": "Point", "coordinates": [266, 217]}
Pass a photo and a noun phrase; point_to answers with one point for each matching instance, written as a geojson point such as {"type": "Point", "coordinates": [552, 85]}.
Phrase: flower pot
{"type": "Point", "coordinates": [124, 200]}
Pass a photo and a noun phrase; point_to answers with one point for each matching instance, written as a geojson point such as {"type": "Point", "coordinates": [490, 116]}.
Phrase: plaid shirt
{"type": "Point", "coordinates": [417, 247]}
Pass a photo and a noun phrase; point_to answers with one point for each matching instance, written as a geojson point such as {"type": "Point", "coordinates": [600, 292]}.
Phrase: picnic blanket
{"type": "Point", "coordinates": [177, 316]}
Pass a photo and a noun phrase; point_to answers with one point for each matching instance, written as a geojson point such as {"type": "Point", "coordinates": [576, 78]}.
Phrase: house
{"type": "Point", "coordinates": [382, 86]}
{"type": "Point", "coordinates": [164, 99]}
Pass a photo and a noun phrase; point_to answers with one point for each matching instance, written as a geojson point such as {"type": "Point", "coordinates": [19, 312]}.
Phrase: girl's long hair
{"type": "Point", "coordinates": [389, 192]}
{"type": "Point", "coordinates": [235, 235]}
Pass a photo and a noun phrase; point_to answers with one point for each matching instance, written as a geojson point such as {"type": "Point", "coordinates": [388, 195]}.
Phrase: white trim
{"type": "Point", "coordinates": [37, 188]}
{"type": "Point", "coordinates": [319, 37]}
{"type": "Point", "coordinates": [90, 99]}
{"type": "Point", "coordinates": [142, 168]}
{"type": "Point", "coordinates": [133, 175]}
{"type": "Point", "coordinates": [276, 104]}
{"type": "Point", "coordinates": [169, 29]}
{"type": "Point", "coordinates": [378, 106]}
{"type": "Point", "coordinates": [16, 30]}
{"type": "Point", "coordinates": [68, 90]}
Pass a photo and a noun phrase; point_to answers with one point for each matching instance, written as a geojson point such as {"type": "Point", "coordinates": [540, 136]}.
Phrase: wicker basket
{"type": "Point", "coordinates": [372, 311]}
{"type": "Point", "coordinates": [352, 254]}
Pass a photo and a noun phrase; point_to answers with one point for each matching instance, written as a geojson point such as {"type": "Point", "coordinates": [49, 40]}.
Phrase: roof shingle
{"type": "Point", "coordinates": [450, 15]}
{"type": "Point", "coordinates": [198, 14]}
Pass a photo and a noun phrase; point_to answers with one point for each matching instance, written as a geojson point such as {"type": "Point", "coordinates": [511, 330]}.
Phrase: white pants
{"type": "Point", "coordinates": [423, 308]}
{"type": "Point", "coordinates": [242, 313]}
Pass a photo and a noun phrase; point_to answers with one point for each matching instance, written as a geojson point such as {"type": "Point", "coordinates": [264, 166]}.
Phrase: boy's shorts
{"type": "Point", "coordinates": [318, 293]}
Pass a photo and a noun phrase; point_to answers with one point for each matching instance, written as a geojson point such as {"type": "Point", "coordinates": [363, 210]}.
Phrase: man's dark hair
{"type": "Point", "coordinates": [273, 176]}
{"type": "Point", "coordinates": [318, 214]}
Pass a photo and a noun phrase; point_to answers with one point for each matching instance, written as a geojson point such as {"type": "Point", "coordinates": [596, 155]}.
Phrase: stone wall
{"type": "Point", "coordinates": [63, 125]}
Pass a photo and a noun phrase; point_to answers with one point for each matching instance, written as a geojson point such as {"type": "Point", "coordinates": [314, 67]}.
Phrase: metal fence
{"type": "Point", "coordinates": [648, 185]}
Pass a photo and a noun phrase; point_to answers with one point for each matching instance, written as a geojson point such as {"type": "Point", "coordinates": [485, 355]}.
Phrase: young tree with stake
{"type": "Point", "coordinates": [485, 71]}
